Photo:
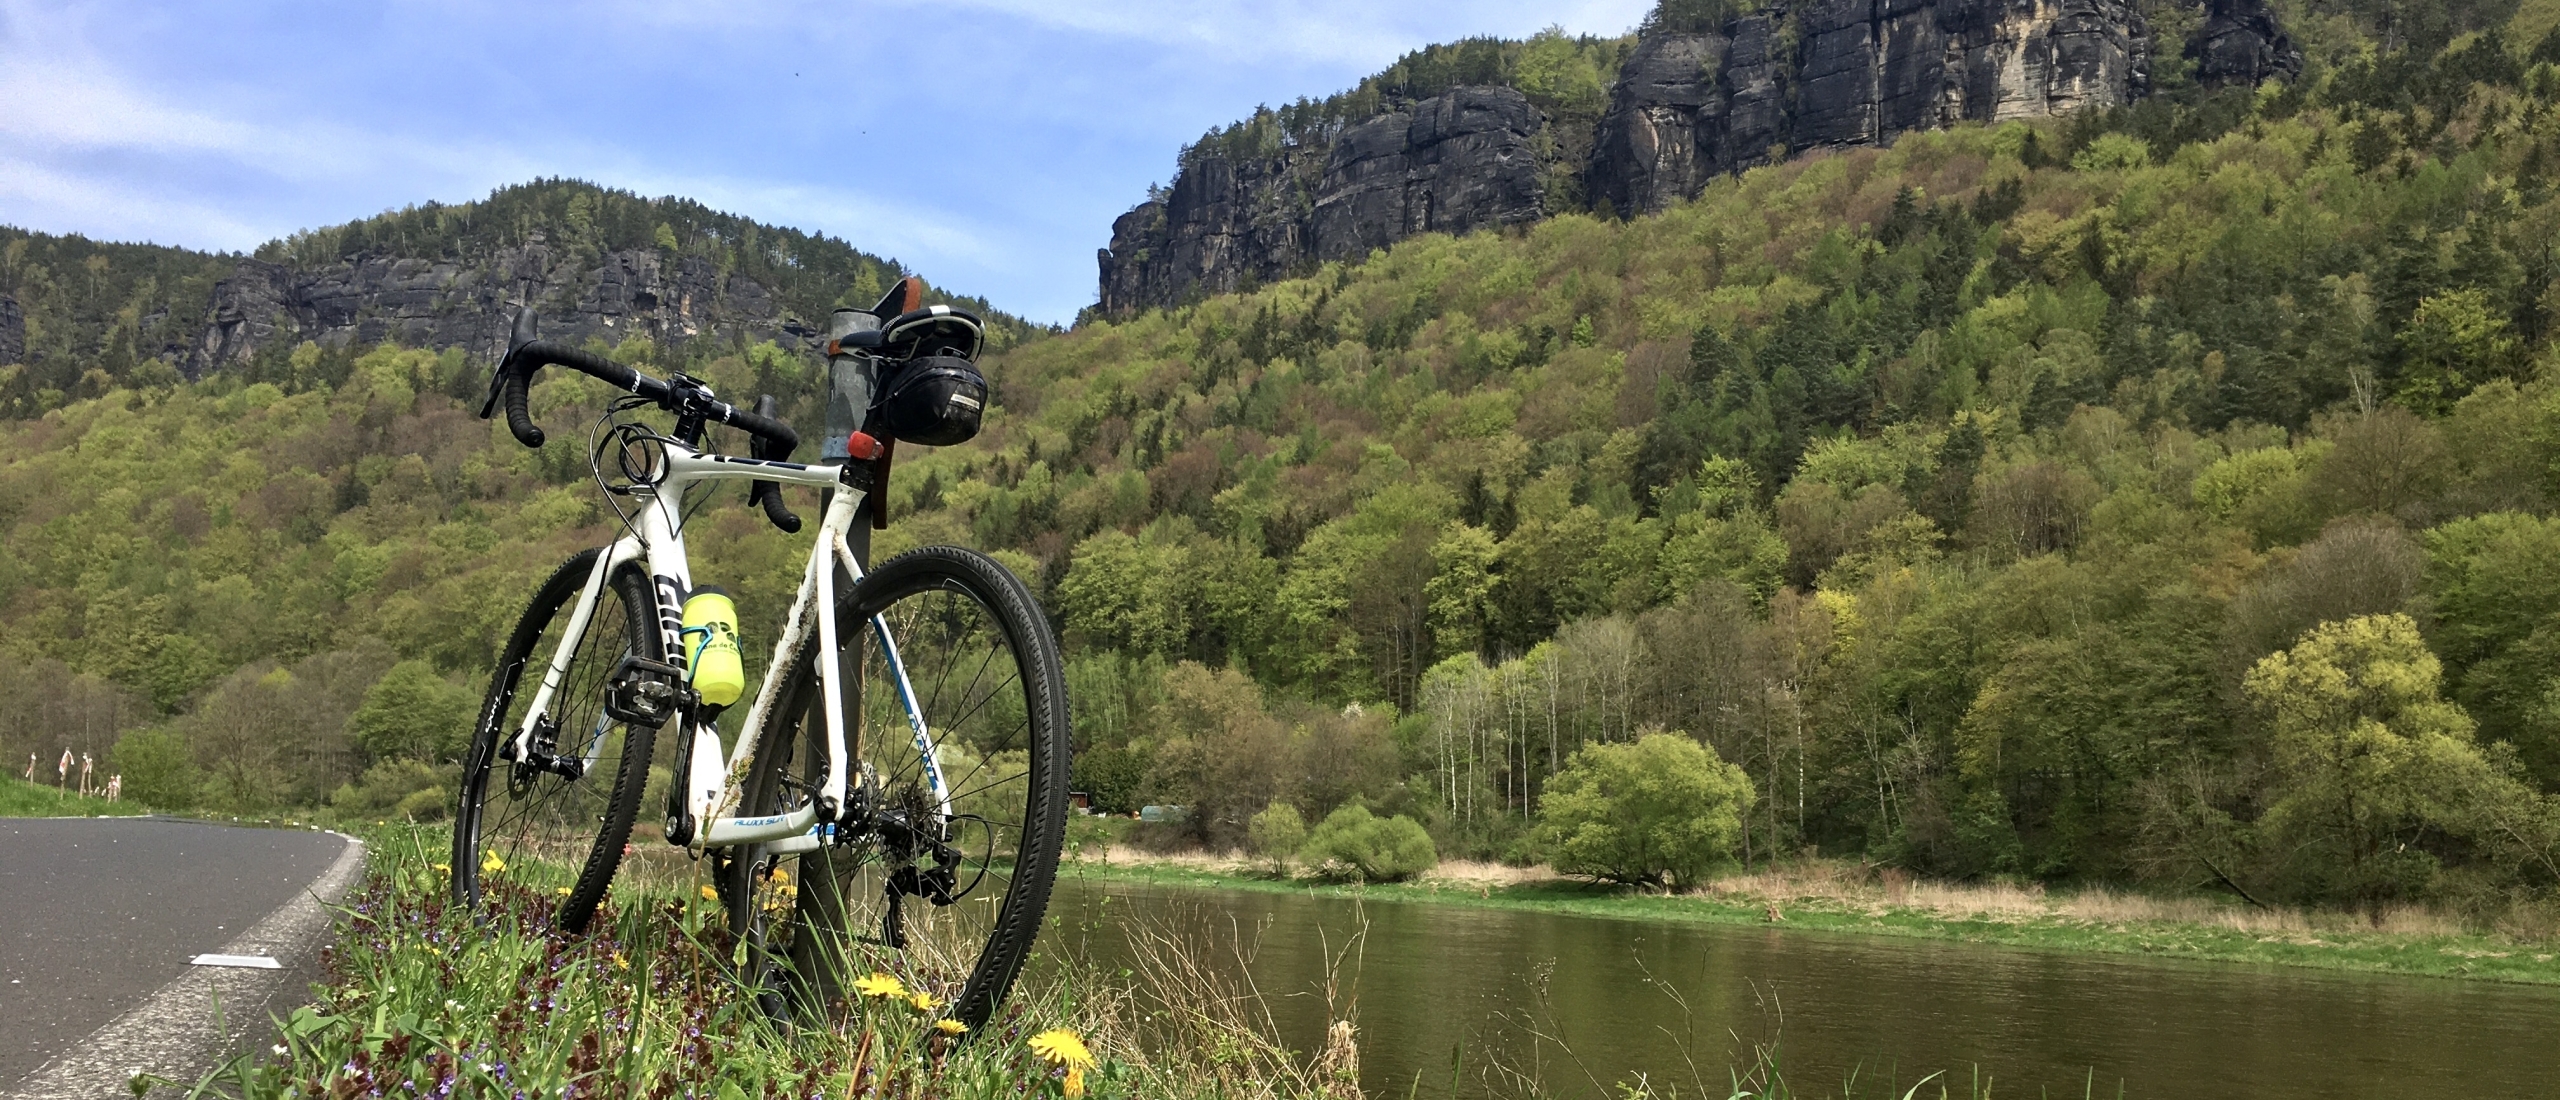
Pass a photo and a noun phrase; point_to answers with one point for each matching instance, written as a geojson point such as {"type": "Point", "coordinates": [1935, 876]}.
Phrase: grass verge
{"type": "Point", "coordinates": [424, 999]}
{"type": "Point", "coordinates": [19, 798]}
{"type": "Point", "coordinates": [2448, 954]}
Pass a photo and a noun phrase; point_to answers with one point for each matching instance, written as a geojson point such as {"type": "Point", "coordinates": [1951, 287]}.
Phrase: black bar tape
{"type": "Point", "coordinates": [525, 360]}
{"type": "Point", "coordinates": [518, 421]}
{"type": "Point", "coordinates": [768, 493]}
{"type": "Point", "coordinates": [764, 427]}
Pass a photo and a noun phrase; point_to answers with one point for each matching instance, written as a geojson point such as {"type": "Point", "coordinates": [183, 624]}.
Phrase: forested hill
{"type": "Point", "coordinates": [2163, 493]}
{"type": "Point", "coordinates": [1487, 133]}
{"type": "Point", "coordinates": [601, 263]}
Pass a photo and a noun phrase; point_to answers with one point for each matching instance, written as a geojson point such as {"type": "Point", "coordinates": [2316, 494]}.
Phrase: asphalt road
{"type": "Point", "coordinates": [99, 915]}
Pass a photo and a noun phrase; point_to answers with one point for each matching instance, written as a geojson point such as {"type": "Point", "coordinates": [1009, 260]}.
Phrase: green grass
{"type": "Point", "coordinates": [421, 996]}
{"type": "Point", "coordinates": [19, 798]}
{"type": "Point", "coordinates": [2468, 956]}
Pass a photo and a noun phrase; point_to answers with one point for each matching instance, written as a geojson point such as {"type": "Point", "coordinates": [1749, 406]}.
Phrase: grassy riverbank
{"type": "Point", "coordinates": [19, 798]}
{"type": "Point", "coordinates": [1824, 900]}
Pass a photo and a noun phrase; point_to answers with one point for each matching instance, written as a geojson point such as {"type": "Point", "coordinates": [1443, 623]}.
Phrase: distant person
{"type": "Point", "coordinates": [86, 766]}
{"type": "Point", "coordinates": [62, 771]}
{"type": "Point", "coordinates": [115, 786]}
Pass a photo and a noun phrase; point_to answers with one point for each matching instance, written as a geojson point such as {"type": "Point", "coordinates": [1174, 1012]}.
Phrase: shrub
{"type": "Point", "coordinates": [414, 714]}
{"type": "Point", "coordinates": [1277, 833]}
{"type": "Point", "coordinates": [410, 790]}
{"type": "Point", "coordinates": [1659, 812]}
{"type": "Point", "coordinates": [159, 768]}
{"type": "Point", "coordinates": [1353, 843]}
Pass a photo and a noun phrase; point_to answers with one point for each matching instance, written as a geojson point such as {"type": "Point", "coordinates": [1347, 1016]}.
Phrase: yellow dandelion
{"type": "Point", "coordinates": [563, 891]}
{"type": "Point", "coordinates": [620, 963]}
{"type": "Point", "coordinates": [1059, 1046]}
{"type": "Point", "coordinates": [781, 877]}
{"type": "Point", "coordinates": [709, 894]}
{"type": "Point", "coordinates": [950, 1027]}
{"type": "Point", "coordinates": [444, 868]}
{"type": "Point", "coordinates": [880, 985]}
{"type": "Point", "coordinates": [922, 1001]}
{"type": "Point", "coordinates": [491, 864]}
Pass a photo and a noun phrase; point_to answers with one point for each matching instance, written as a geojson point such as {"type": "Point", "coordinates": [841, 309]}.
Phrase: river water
{"type": "Point", "coordinates": [1438, 986]}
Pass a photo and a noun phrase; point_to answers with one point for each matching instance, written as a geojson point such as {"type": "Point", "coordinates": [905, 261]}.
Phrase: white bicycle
{"type": "Point", "coordinates": [896, 796]}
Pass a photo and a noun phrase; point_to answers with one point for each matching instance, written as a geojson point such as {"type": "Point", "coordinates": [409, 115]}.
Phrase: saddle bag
{"type": "Point", "coordinates": [934, 400]}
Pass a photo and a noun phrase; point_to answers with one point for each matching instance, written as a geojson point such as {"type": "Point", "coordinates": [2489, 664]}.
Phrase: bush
{"type": "Point", "coordinates": [159, 768]}
{"type": "Point", "coordinates": [1659, 812]}
{"type": "Point", "coordinates": [414, 714]}
{"type": "Point", "coordinates": [1277, 833]}
{"type": "Point", "coordinates": [409, 790]}
{"type": "Point", "coordinates": [1355, 844]}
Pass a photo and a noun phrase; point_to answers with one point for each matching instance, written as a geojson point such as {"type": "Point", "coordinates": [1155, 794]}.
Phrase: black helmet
{"type": "Point", "coordinates": [933, 330]}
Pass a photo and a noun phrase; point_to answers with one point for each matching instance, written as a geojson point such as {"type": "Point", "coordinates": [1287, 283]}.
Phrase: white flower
{"type": "Point", "coordinates": [279, 1048]}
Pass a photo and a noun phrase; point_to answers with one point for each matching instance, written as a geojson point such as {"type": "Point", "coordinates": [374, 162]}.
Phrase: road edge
{"type": "Point", "coordinates": [185, 1026]}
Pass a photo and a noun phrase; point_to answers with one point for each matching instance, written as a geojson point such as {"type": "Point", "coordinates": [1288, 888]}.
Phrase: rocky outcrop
{"type": "Point", "coordinates": [1691, 106]}
{"type": "Point", "coordinates": [1457, 162]}
{"type": "Point", "coordinates": [2241, 43]}
{"type": "Point", "coordinates": [13, 332]}
{"type": "Point", "coordinates": [1687, 106]}
{"type": "Point", "coordinates": [446, 303]}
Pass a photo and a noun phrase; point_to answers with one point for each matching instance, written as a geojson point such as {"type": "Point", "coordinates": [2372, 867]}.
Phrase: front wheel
{"type": "Point", "coordinates": [945, 853]}
{"type": "Point", "coordinates": [546, 828]}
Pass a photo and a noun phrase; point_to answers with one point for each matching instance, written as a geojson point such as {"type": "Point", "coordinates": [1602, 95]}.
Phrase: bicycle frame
{"type": "Point", "coordinates": [657, 538]}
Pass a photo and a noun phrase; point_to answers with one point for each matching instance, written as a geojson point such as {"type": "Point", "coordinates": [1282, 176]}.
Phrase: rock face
{"type": "Point", "coordinates": [1456, 162]}
{"type": "Point", "coordinates": [443, 303]}
{"type": "Point", "coordinates": [1687, 107]}
{"type": "Point", "coordinates": [13, 331]}
{"type": "Point", "coordinates": [2241, 43]}
{"type": "Point", "coordinates": [1691, 106]}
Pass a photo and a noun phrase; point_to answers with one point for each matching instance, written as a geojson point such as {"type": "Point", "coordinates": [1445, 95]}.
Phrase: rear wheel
{"type": "Point", "coordinates": [548, 830]}
{"type": "Point", "coordinates": [947, 900]}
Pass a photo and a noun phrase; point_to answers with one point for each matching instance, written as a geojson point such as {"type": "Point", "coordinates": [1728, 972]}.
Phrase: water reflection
{"type": "Point", "coordinates": [1441, 985]}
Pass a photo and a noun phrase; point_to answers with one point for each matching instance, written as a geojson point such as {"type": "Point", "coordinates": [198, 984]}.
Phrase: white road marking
{"type": "Point", "coordinates": [249, 962]}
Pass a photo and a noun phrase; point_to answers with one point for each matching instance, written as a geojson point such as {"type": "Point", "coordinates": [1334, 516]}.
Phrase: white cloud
{"type": "Point", "coordinates": [36, 196]}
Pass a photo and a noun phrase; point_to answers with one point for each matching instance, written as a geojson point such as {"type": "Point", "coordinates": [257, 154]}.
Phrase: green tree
{"type": "Point", "coordinates": [1277, 834]}
{"type": "Point", "coordinates": [1353, 843]}
{"type": "Point", "coordinates": [159, 768]}
{"type": "Point", "coordinates": [413, 714]}
{"type": "Point", "coordinates": [1461, 585]}
{"type": "Point", "coordinates": [1662, 811]}
{"type": "Point", "coordinates": [2369, 758]}
{"type": "Point", "coordinates": [2455, 341]}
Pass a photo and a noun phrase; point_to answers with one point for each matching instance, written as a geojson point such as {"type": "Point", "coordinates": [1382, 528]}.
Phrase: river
{"type": "Point", "coordinates": [1432, 981]}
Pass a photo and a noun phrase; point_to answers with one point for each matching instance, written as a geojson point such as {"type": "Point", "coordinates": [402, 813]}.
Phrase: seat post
{"type": "Point", "coordinates": [850, 378]}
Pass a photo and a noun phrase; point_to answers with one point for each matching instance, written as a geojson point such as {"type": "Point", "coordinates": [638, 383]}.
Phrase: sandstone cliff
{"type": "Point", "coordinates": [1456, 162]}
{"type": "Point", "coordinates": [1687, 105]}
{"type": "Point", "coordinates": [1691, 106]}
{"type": "Point", "coordinates": [451, 303]}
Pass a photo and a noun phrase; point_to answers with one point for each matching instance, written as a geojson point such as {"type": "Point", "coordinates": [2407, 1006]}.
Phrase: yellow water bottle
{"type": "Point", "coordinates": [711, 657]}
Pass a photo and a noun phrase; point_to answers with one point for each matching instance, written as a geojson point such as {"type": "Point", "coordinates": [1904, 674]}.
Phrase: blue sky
{"type": "Point", "coordinates": [987, 144]}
